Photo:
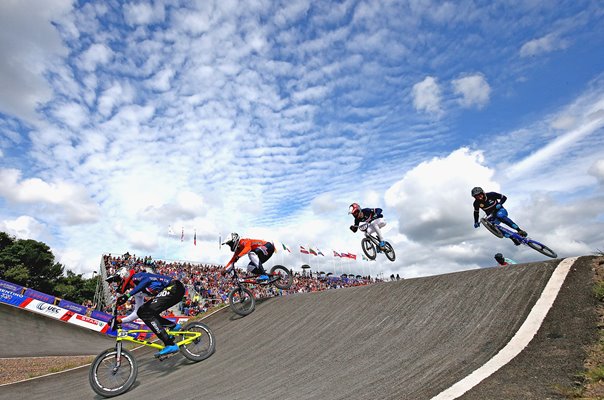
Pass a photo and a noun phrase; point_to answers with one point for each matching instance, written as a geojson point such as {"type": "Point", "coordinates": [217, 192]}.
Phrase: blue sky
{"type": "Point", "coordinates": [120, 119]}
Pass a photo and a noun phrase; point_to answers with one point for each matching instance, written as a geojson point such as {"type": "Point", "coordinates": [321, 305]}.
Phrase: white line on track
{"type": "Point", "coordinates": [520, 340]}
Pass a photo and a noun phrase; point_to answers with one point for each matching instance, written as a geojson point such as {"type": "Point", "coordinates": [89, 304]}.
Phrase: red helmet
{"type": "Point", "coordinates": [354, 209]}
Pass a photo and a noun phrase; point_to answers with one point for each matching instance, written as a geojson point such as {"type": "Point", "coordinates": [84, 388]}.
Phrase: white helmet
{"type": "Point", "coordinates": [232, 241]}
{"type": "Point", "coordinates": [120, 275]}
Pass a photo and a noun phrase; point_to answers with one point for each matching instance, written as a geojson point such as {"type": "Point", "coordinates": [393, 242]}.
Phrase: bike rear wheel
{"type": "Point", "coordinates": [203, 347]}
{"type": "Point", "coordinates": [389, 252]}
{"type": "Point", "coordinates": [108, 381]}
{"type": "Point", "coordinates": [491, 227]}
{"type": "Point", "coordinates": [368, 248]}
{"type": "Point", "coordinates": [541, 248]}
{"type": "Point", "coordinates": [242, 301]}
{"type": "Point", "coordinates": [286, 279]}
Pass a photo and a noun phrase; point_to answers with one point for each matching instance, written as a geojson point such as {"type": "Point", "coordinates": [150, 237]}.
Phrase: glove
{"type": "Point", "coordinates": [498, 206]}
{"type": "Point", "coordinates": [115, 322]}
{"type": "Point", "coordinates": [122, 299]}
{"type": "Point", "coordinates": [476, 224]}
{"type": "Point", "coordinates": [353, 228]}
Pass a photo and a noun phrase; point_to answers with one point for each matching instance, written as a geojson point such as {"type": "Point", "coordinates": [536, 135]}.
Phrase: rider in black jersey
{"type": "Point", "coordinates": [492, 204]}
{"type": "Point", "coordinates": [165, 291]}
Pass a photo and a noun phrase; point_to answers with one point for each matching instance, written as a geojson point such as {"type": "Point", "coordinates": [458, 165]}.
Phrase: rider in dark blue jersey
{"type": "Point", "coordinates": [165, 291]}
{"type": "Point", "coordinates": [492, 204]}
{"type": "Point", "coordinates": [373, 217]}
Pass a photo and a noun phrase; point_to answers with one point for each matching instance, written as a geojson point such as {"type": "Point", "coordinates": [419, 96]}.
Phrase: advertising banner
{"type": "Point", "coordinates": [101, 316]}
{"type": "Point", "coordinates": [8, 297]}
{"type": "Point", "coordinates": [80, 309]}
{"type": "Point", "coordinates": [12, 287]}
{"type": "Point", "coordinates": [87, 322]}
{"type": "Point", "coordinates": [39, 296]}
{"type": "Point", "coordinates": [49, 310]}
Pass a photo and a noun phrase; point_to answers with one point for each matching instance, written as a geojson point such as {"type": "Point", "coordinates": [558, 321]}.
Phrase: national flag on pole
{"type": "Point", "coordinates": [303, 250]}
{"type": "Point", "coordinates": [319, 253]}
{"type": "Point", "coordinates": [349, 255]}
{"type": "Point", "coordinates": [311, 251]}
{"type": "Point", "coordinates": [182, 234]}
{"type": "Point", "coordinates": [195, 238]}
{"type": "Point", "coordinates": [336, 254]}
{"type": "Point", "coordinates": [285, 247]}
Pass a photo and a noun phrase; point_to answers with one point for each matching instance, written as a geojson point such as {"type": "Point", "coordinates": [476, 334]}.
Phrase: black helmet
{"type": "Point", "coordinates": [499, 257]}
{"type": "Point", "coordinates": [232, 241]}
{"type": "Point", "coordinates": [476, 191]}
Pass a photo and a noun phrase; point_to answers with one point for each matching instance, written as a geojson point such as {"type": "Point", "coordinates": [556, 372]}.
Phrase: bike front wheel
{"type": "Point", "coordinates": [389, 252]}
{"type": "Point", "coordinates": [203, 347]}
{"type": "Point", "coordinates": [242, 301]}
{"type": "Point", "coordinates": [491, 227]}
{"type": "Point", "coordinates": [284, 275]}
{"type": "Point", "coordinates": [369, 248]}
{"type": "Point", "coordinates": [108, 380]}
{"type": "Point", "coordinates": [541, 248]}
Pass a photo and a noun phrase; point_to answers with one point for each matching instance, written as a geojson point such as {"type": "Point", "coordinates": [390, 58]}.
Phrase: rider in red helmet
{"type": "Point", "coordinates": [374, 218]}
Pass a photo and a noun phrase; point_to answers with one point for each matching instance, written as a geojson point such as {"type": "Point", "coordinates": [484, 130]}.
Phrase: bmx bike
{"type": "Point", "coordinates": [371, 245]}
{"type": "Point", "coordinates": [114, 371]}
{"type": "Point", "coordinates": [241, 299]}
{"type": "Point", "coordinates": [496, 229]}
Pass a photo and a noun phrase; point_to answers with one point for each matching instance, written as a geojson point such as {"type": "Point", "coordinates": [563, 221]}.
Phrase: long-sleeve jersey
{"type": "Point", "coordinates": [150, 284]}
{"type": "Point", "coordinates": [245, 246]}
{"type": "Point", "coordinates": [368, 214]}
{"type": "Point", "coordinates": [488, 204]}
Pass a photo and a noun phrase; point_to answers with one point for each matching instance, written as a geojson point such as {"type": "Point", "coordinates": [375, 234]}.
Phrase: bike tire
{"type": "Point", "coordinates": [389, 252]}
{"type": "Point", "coordinates": [203, 347]}
{"type": "Point", "coordinates": [104, 381]}
{"type": "Point", "coordinates": [287, 278]}
{"type": "Point", "coordinates": [541, 248]}
{"type": "Point", "coordinates": [368, 248]}
{"type": "Point", "coordinates": [245, 306]}
{"type": "Point", "coordinates": [491, 227]}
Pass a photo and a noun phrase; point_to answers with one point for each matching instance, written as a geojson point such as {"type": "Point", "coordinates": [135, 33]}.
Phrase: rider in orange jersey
{"type": "Point", "coordinates": [259, 251]}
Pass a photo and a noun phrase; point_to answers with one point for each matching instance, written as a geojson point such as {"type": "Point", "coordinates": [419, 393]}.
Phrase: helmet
{"type": "Point", "coordinates": [499, 258]}
{"type": "Point", "coordinates": [476, 191]}
{"type": "Point", "coordinates": [122, 277]}
{"type": "Point", "coordinates": [232, 241]}
{"type": "Point", "coordinates": [354, 209]}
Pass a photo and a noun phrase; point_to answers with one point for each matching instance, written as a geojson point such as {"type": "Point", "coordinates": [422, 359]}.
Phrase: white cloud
{"type": "Point", "coordinates": [24, 227]}
{"type": "Point", "coordinates": [546, 44]}
{"type": "Point", "coordinates": [427, 95]}
{"type": "Point", "coordinates": [97, 54]}
{"type": "Point", "coordinates": [597, 170]}
{"type": "Point", "coordinates": [474, 90]}
{"type": "Point", "coordinates": [143, 14]}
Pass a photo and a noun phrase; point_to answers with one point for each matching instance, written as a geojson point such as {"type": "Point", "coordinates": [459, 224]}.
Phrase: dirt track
{"type": "Point", "coordinates": [400, 340]}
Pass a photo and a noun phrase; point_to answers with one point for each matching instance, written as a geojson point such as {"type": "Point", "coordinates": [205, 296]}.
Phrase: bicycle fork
{"type": "Point", "coordinates": [118, 357]}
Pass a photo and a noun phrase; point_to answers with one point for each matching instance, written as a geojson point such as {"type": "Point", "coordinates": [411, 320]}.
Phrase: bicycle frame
{"type": "Point", "coordinates": [123, 335]}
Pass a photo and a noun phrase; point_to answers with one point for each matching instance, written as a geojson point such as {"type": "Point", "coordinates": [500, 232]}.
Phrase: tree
{"type": "Point", "coordinates": [29, 263]}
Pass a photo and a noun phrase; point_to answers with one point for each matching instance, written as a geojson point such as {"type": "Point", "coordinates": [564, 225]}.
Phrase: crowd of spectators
{"type": "Point", "coordinates": [207, 286]}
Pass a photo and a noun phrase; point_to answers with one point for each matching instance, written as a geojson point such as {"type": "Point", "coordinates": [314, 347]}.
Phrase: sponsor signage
{"type": "Point", "coordinates": [49, 310]}
{"type": "Point", "coordinates": [39, 296]}
{"type": "Point", "coordinates": [86, 322]}
{"type": "Point", "coordinates": [13, 287]}
{"type": "Point", "coordinates": [8, 297]}
{"type": "Point", "coordinates": [73, 307]}
{"type": "Point", "coordinates": [100, 316]}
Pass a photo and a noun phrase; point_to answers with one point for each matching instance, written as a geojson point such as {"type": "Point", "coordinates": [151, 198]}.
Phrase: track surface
{"type": "Point", "coordinates": [27, 334]}
{"type": "Point", "coordinates": [409, 339]}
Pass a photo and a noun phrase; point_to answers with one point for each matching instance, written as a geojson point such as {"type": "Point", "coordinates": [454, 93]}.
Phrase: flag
{"type": "Point", "coordinates": [182, 234]}
{"type": "Point", "coordinates": [349, 255]}
{"type": "Point", "coordinates": [319, 253]}
{"type": "Point", "coordinates": [311, 251]}
{"type": "Point", "coordinates": [303, 250]}
{"type": "Point", "coordinates": [285, 247]}
{"type": "Point", "coordinates": [336, 254]}
{"type": "Point", "coordinates": [195, 238]}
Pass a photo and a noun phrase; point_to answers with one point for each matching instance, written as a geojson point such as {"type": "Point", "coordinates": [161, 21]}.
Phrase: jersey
{"type": "Point", "coordinates": [244, 247]}
{"type": "Point", "coordinates": [508, 261]}
{"type": "Point", "coordinates": [488, 204]}
{"type": "Point", "coordinates": [149, 284]}
{"type": "Point", "coordinates": [368, 214]}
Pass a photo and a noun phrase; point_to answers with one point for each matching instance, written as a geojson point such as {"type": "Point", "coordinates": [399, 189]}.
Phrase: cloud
{"type": "Point", "coordinates": [97, 54]}
{"type": "Point", "coordinates": [70, 201]}
{"type": "Point", "coordinates": [597, 170]}
{"type": "Point", "coordinates": [433, 201]}
{"type": "Point", "coordinates": [24, 227]}
{"type": "Point", "coordinates": [427, 95]}
{"type": "Point", "coordinates": [29, 44]}
{"type": "Point", "coordinates": [545, 44]}
{"type": "Point", "coordinates": [474, 90]}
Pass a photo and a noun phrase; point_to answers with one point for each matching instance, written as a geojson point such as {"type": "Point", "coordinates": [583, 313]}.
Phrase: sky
{"type": "Point", "coordinates": [125, 124]}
